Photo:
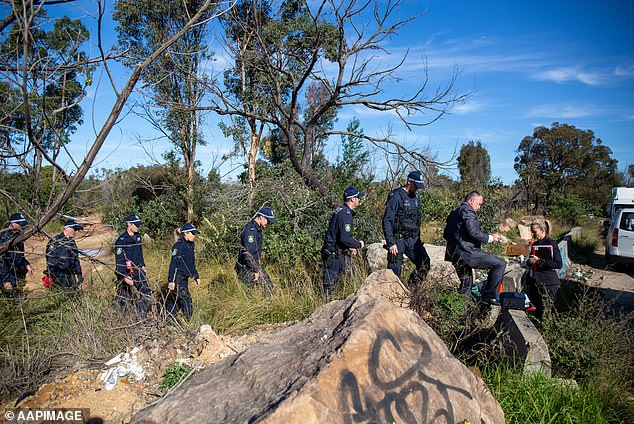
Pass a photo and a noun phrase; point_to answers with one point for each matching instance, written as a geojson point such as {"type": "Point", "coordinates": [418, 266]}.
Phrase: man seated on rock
{"type": "Point", "coordinates": [464, 238]}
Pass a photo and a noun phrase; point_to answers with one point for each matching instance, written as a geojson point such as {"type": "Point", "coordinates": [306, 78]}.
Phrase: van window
{"type": "Point", "coordinates": [627, 221]}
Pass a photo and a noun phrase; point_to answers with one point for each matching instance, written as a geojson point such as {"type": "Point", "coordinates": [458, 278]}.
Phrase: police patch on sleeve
{"type": "Point", "coordinates": [251, 239]}
{"type": "Point", "coordinates": [347, 227]}
{"type": "Point", "coordinates": [174, 252]}
{"type": "Point", "coordinates": [119, 251]}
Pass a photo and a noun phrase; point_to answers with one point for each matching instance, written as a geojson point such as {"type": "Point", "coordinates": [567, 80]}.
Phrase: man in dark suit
{"type": "Point", "coordinates": [464, 238]}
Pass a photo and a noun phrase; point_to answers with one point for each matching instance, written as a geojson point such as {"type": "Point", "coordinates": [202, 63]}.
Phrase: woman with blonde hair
{"type": "Point", "coordinates": [542, 282]}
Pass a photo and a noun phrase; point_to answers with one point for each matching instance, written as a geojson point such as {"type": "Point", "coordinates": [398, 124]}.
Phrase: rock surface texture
{"type": "Point", "coordinates": [362, 359]}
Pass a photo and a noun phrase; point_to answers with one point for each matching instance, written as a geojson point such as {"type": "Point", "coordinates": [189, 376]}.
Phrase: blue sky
{"type": "Point", "coordinates": [526, 64]}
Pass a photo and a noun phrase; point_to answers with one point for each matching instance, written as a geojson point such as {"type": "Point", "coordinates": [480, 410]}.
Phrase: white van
{"type": "Point", "coordinates": [619, 242]}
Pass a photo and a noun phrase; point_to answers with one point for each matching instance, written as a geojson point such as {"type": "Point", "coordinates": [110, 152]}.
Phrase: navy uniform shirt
{"type": "Point", "coordinates": [402, 215]}
{"type": "Point", "coordinates": [183, 260]}
{"type": "Point", "coordinates": [62, 256]}
{"type": "Point", "coordinates": [250, 245]}
{"type": "Point", "coordinates": [339, 233]}
{"type": "Point", "coordinates": [13, 261]}
{"type": "Point", "coordinates": [128, 251]}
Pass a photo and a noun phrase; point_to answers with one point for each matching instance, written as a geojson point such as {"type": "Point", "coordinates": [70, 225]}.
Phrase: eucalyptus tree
{"type": "Point", "coordinates": [474, 164]}
{"type": "Point", "coordinates": [175, 82]}
{"type": "Point", "coordinates": [332, 45]}
{"type": "Point", "coordinates": [564, 159]}
{"type": "Point", "coordinates": [44, 77]}
{"type": "Point", "coordinates": [26, 66]}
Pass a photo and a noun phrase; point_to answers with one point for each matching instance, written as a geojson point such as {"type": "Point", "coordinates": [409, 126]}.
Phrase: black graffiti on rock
{"type": "Point", "coordinates": [358, 406]}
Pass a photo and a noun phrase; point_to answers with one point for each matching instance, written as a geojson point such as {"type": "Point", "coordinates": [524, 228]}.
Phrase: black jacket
{"type": "Point", "coordinates": [544, 270]}
{"type": "Point", "coordinates": [402, 215]}
{"type": "Point", "coordinates": [250, 246]}
{"type": "Point", "coordinates": [183, 260]}
{"type": "Point", "coordinates": [13, 261]}
{"type": "Point", "coordinates": [339, 233]}
{"type": "Point", "coordinates": [463, 234]}
{"type": "Point", "coordinates": [62, 257]}
{"type": "Point", "coordinates": [128, 252]}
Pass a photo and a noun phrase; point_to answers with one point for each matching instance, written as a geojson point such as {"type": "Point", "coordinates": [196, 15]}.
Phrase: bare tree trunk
{"type": "Point", "coordinates": [253, 151]}
{"type": "Point", "coordinates": [84, 167]}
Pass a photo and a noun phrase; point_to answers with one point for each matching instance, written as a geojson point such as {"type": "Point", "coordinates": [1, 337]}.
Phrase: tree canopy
{"type": "Point", "coordinates": [474, 164]}
{"type": "Point", "coordinates": [565, 159]}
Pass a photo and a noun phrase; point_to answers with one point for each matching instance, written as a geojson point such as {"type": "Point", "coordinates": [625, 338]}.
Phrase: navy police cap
{"type": "Point", "coordinates": [351, 192]}
{"type": "Point", "coordinates": [133, 219]}
{"type": "Point", "coordinates": [189, 228]}
{"type": "Point", "coordinates": [18, 218]}
{"type": "Point", "coordinates": [417, 178]}
{"type": "Point", "coordinates": [268, 214]}
{"type": "Point", "coordinates": [73, 224]}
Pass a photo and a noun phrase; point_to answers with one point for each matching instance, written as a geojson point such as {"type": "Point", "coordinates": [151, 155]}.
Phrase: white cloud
{"type": "Point", "coordinates": [557, 111]}
{"type": "Point", "coordinates": [468, 107]}
{"type": "Point", "coordinates": [565, 74]}
{"type": "Point", "coordinates": [624, 71]}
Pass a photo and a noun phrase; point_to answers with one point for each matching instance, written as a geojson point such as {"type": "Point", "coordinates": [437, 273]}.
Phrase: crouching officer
{"type": "Point", "coordinates": [182, 267]}
{"type": "Point", "coordinates": [401, 227]}
{"type": "Point", "coordinates": [15, 267]}
{"type": "Point", "coordinates": [339, 245]}
{"type": "Point", "coordinates": [248, 266]}
{"type": "Point", "coordinates": [62, 258]}
{"type": "Point", "coordinates": [130, 268]}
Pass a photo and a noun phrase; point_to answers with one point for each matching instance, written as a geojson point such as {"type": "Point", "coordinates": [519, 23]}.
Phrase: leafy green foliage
{"type": "Point", "coordinates": [535, 398]}
{"type": "Point", "coordinates": [589, 344]}
{"type": "Point", "coordinates": [474, 164]}
{"type": "Point", "coordinates": [564, 159]}
{"type": "Point", "coordinates": [176, 373]}
{"type": "Point", "coordinates": [570, 208]}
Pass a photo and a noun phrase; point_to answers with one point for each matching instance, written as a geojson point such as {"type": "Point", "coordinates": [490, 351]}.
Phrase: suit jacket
{"type": "Point", "coordinates": [463, 234]}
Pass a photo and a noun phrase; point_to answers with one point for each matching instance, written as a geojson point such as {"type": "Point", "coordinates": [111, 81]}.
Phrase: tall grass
{"type": "Point", "coordinates": [587, 342]}
{"type": "Point", "coordinates": [535, 398]}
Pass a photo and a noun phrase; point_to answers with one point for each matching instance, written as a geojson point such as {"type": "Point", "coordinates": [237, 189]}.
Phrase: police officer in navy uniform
{"type": "Point", "coordinates": [15, 267]}
{"type": "Point", "coordinates": [182, 267]}
{"type": "Point", "coordinates": [339, 245]}
{"type": "Point", "coordinates": [401, 227]}
{"type": "Point", "coordinates": [464, 238]}
{"type": "Point", "coordinates": [130, 268]}
{"type": "Point", "coordinates": [62, 258]}
{"type": "Point", "coordinates": [248, 266]}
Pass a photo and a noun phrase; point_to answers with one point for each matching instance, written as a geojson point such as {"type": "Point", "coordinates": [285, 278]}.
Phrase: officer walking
{"type": "Point", "coordinates": [401, 227]}
{"type": "Point", "coordinates": [182, 267]}
{"type": "Point", "coordinates": [130, 267]}
{"type": "Point", "coordinates": [339, 245]}
{"type": "Point", "coordinates": [62, 258]}
{"type": "Point", "coordinates": [248, 266]}
{"type": "Point", "coordinates": [15, 267]}
{"type": "Point", "coordinates": [464, 238]}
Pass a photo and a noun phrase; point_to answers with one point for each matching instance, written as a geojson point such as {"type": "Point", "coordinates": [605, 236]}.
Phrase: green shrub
{"type": "Point", "coordinates": [586, 244]}
{"type": "Point", "coordinates": [570, 208]}
{"type": "Point", "coordinates": [176, 373]}
{"type": "Point", "coordinates": [535, 398]}
{"type": "Point", "coordinates": [586, 343]}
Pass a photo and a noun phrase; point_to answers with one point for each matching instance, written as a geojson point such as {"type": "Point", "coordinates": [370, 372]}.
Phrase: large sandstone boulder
{"type": "Point", "coordinates": [525, 231]}
{"type": "Point", "coordinates": [361, 359]}
{"type": "Point", "coordinates": [441, 270]}
{"type": "Point", "coordinates": [512, 280]}
{"type": "Point", "coordinates": [376, 256]}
